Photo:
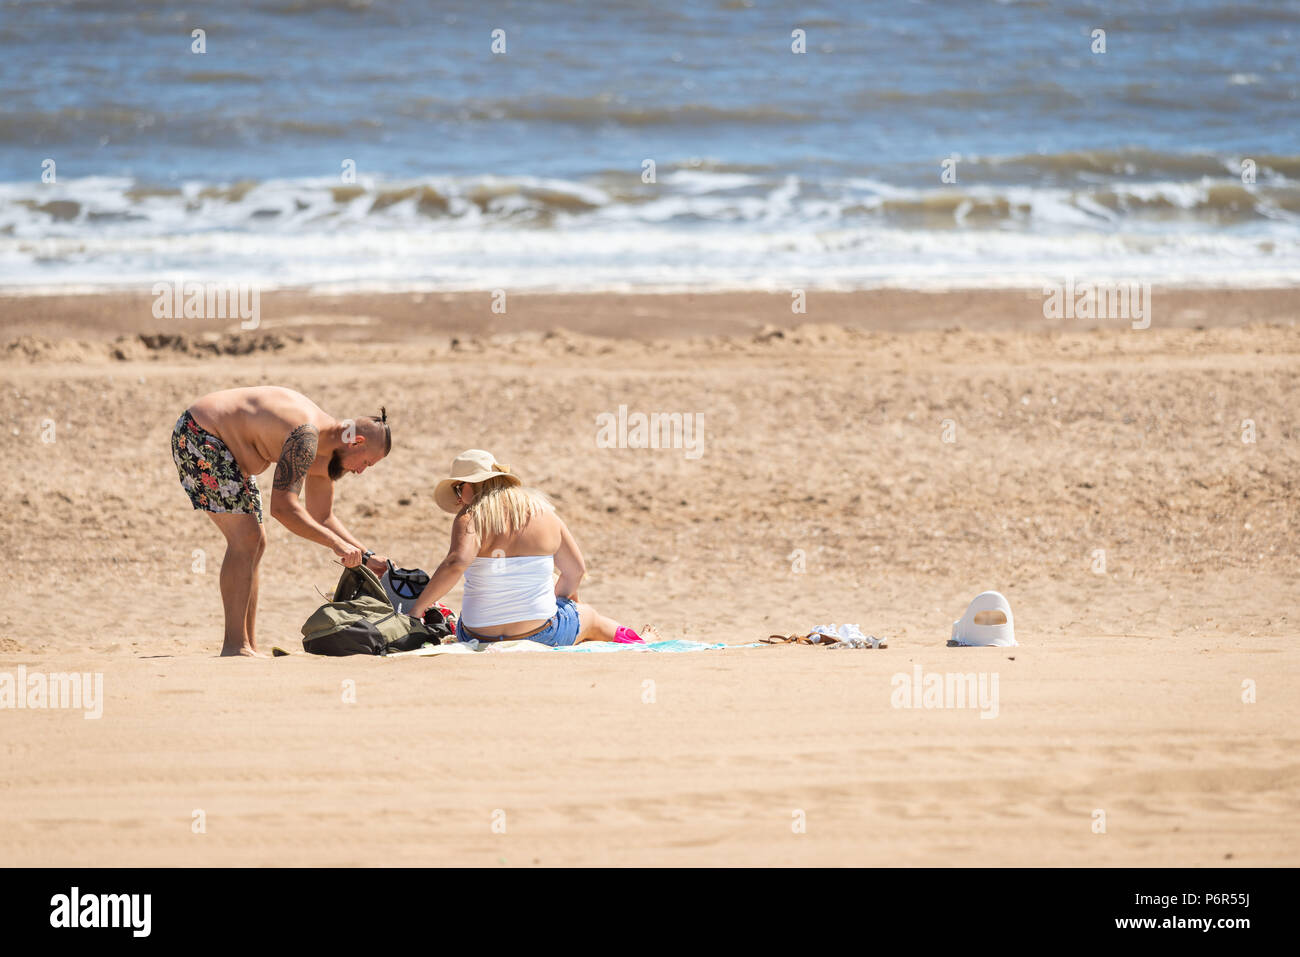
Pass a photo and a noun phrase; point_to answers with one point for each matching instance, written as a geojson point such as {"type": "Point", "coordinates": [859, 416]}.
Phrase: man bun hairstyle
{"type": "Point", "coordinates": [382, 420]}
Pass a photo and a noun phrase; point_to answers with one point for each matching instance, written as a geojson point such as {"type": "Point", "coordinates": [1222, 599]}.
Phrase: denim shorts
{"type": "Point", "coordinates": [561, 630]}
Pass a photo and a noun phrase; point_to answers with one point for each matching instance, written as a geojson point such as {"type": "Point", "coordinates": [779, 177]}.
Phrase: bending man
{"type": "Point", "coordinates": [226, 438]}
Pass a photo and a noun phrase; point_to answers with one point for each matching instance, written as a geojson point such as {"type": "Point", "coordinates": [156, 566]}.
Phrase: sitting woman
{"type": "Point", "coordinates": [507, 540]}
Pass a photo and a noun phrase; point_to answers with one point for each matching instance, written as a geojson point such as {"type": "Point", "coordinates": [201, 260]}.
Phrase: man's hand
{"type": "Point", "coordinates": [378, 564]}
{"type": "Point", "coordinates": [350, 555]}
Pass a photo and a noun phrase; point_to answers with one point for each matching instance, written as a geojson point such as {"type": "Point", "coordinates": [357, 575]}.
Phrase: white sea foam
{"type": "Point", "coordinates": [694, 230]}
{"type": "Point", "coordinates": [647, 258]}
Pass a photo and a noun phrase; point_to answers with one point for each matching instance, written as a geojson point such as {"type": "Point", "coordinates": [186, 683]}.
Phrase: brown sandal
{"type": "Point", "coordinates": [788, 639]}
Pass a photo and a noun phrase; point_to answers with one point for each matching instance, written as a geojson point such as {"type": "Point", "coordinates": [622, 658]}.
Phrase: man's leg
{"type": "Point", "coordinates": [250, 623]}
{"type": "Point", "coordinates": [245, 539]}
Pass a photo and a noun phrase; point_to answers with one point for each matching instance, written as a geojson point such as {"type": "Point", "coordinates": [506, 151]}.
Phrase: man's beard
{"type": "Point", "coordinates": [336, 471]}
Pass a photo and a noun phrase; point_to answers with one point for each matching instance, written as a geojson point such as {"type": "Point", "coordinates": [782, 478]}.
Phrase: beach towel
{"type": "Point", "coordinates": [663, 647]}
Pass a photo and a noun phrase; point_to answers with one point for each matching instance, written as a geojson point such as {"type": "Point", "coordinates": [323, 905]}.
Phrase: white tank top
{"type": "Point", "coordinates": [500, 591]}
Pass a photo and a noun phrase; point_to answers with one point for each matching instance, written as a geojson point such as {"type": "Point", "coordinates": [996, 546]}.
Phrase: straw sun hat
{"type": "Point", "coordinates": [472, 466]}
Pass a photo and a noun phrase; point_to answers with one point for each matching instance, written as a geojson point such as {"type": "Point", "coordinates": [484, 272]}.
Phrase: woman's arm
{"type": "Point", "coordinates": [463, 551]}
{"type": "Point", "coordinates": [569, 561]}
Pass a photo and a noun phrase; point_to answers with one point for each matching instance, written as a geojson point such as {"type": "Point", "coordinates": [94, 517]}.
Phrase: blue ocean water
{"type": "Point", "coordinates": [1171, 156]}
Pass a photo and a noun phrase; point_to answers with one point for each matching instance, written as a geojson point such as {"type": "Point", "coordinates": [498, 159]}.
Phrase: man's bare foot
{"type": "Point", "coordinates": [246, 651]}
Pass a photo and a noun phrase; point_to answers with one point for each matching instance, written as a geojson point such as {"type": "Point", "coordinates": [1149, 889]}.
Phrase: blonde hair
{"type": "Point", "coordinates": [501, 508]}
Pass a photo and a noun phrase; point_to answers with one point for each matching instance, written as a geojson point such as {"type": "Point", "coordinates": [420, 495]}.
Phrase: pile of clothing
{"type": "Point", "coordinates": [830, 636]}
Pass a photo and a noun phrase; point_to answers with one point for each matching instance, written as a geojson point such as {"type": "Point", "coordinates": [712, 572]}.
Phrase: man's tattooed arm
{"type": "Point", "coordinates": [287, 505]}
{"type": "Point", "coordinates": [295, 459]}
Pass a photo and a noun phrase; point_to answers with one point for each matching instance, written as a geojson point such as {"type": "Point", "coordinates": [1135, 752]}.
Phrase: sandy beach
{"type": "Point", "coordinates": [1097, 476]}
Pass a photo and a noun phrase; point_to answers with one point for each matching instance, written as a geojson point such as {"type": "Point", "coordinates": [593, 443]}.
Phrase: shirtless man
{"type": "Point", "coordinates": [226, 438]}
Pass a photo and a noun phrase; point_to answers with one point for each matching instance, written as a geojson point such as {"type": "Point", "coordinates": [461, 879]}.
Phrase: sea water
{"type": "Point", "coordinates": [706, 145]}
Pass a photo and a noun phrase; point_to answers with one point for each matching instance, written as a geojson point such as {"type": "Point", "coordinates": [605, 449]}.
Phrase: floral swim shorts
{"type": "Point", "coordinates": [209, 473]}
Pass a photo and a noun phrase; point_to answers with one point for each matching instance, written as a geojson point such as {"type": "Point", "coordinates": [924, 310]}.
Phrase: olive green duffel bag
{"type": "Point", "coordinates": [360, 620]}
